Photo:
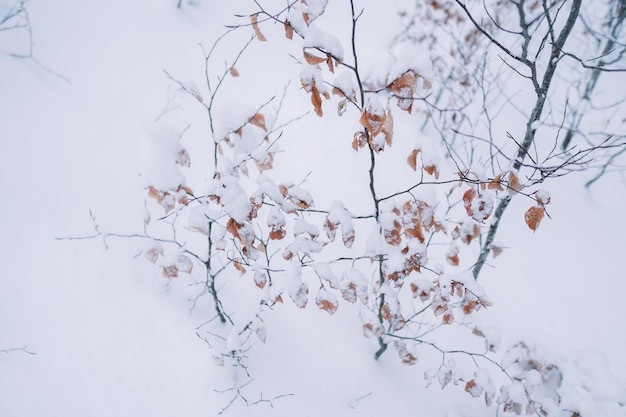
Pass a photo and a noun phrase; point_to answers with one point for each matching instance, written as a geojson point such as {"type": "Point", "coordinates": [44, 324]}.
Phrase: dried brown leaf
{"type": "Point", "coordinates": [260, 279]}
{"type": "Point", "coordinates": [254, 19]}
{"type": "Point", "coordinates": [496, 183]}
{"type": "Point", "coordinates": [288, 30]}
{"type": "Point", "coordinates": [313, 59]}
{"type": "Point", "coordinates": [432, 170]}
{"type": "Point", "coordinates": [258, 120]}
{"type": "Point", "coordinates": [515, 185]}
{"type": "Point", "coordinates": [412, 159]}
{"type": "Point", "coordinates": [468, 197]}
{"type": "Point", "coordinates": [170, 271]}
{"type": "Point", "coordinates": [533, 217]}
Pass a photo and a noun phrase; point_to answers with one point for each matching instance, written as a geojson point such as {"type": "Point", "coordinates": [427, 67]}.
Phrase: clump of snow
{"type": "Point", "coordinates": [374, 243]}
{"type": "Point", "coordinates": [200, 217]}
{"type": "Point", "coordinates": [338, 215]}
{"type": "Point", "coordinates": [588, 387]}
{"type": "Point", "coordinates": [324, 272]}
{"type": "Point", "coordinates": [301, 227]}
{"type": "Point", "coordinates": [316, 38]}
{"type": "Point", "coordinates": [344, 82]}
{"type": "Point", "coordinates": [229, 117]}
{"type": "Point", "coordinates": [232, 197]}
{"type": "Point", "coordinates": [276, 218]}
{"type": "Point", "coordinates": [311, 76]}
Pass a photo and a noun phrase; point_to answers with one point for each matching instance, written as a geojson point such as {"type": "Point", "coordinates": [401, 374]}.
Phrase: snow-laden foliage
{"type": "Point", "coordinates": [411, 259]}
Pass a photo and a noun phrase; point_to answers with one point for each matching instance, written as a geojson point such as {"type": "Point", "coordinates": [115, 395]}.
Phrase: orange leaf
{"type": "Point", "coordinates": [403, 87]}
{"type": "Point", "coordinates": [496, 183]}
{"type": "Point", "coordinates": [412, 159]}
{"type": "Point", "coordinates": [473, 389]}
{"type": "Point", "coordinates": [254, 18]}
{"type": "Point", "coordinates": [316, 100]}
{"type": "Point", "coordinates": [533, 217]}
{"type": "Point", "coordinates": [233, 71]}
{"type": "Point", "coordinates": [432, 170]}
{"type": "Point", "coordinates": [239, 267]}
{"type": "Point", "coordinates": [288, 30]}
{"type": "Point", "coordinates": [313, 59]}
{"type": "Point", "coordinates": [258, 120]}
{"type": "Point", "coordinates": [277, 234]}
{"type": "Point", "coordinates": [468, 197]}
{"type": "Point", "coordinates": [514, 185]}
{"type": "Point", "coordinates": [453, 258]}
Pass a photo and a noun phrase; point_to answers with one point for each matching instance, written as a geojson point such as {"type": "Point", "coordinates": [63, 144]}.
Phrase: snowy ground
{"type": "Point", "coordinates": [109, 337]}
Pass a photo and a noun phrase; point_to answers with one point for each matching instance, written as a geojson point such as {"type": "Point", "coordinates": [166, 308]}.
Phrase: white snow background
{"type": "Point", "coordinates": [105, 335]}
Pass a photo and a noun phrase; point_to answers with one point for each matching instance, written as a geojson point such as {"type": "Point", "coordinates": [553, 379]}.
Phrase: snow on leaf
{"type": "Point", "coordinates": [325, 300]}
{"type": "Point", "coordinates": [254, 19]}
{"type": "Point", "coordinates": [302, 227]}
{"type": "Point", "coordinates": [360, 140]}
{"type": "Point", "coordinates": [276, 222]}
{"type": "Point", "coordinates": [170, 271]}
{"type": "Point", "coordinates": [184, 264]}
{"type": "Point", "coordinates": [153, 252]}
{"type": "Point", "coordinates": [338, 215]}
{"type": "Point", "coordinates": [403, 88]}
{"type": "Point", "coordinates": [452, 255]}
{"type": "Point", "coordinates": [473, 389]}
{"type": "Point", "coordinates": [324, 272]}
{"type": "Point", "coordinates": [421, 288]}
{"type": "Point", "coordinates": [533, 217]}
{"type": "Point", "coordinates": [481, 207]}
{"type": "Point", "coordinates": [300, 295]}
{"type": "Point", "coordinates": [182, 158]}
{"type": "Point", "coordinates": [258, 120]}
{"type": "Point", "coordinates": [349, 292]}
{"type": "Point", "coordinates": [406, 357]}
{"type": "Point", "coordinates": [313, 83]}
{"type": "Point", "coordinates": [468, 197]}
{"type": "Point", "coordinates": [543, 197]}
{"type": "Point", "coordinates": [466, 231]}
{"type": "Point", "coordinates": [448, 317]}
{"type": "Point", "coordinates": [260, 279]}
